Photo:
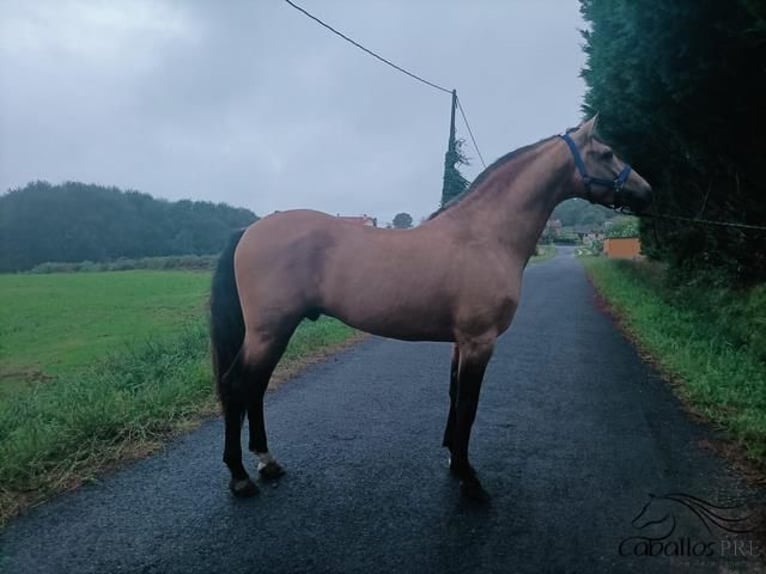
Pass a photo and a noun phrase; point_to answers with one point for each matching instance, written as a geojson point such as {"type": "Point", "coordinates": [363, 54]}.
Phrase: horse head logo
{"type": "Point", "coordinates": [661, 514]}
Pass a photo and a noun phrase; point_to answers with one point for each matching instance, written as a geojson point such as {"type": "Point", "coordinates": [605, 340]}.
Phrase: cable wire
{"type": "Point", "coordinates": [366, 50]}
{"type": "Point", "coordinates": [698, 221]}
{"type": "Point", "coordinates": [470, 132]}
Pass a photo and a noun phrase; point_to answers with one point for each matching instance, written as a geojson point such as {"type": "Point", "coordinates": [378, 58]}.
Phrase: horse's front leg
{"type": "Point", "coordinates": [449, 430]}
{"type": "Point", "coordinates": [473, 358]}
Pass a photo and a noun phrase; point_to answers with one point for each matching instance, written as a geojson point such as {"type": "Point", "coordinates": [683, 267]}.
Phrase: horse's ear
{"type": "Point", "coordinates": [590, 126]}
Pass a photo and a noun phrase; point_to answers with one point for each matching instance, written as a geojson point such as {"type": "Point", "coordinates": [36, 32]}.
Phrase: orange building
{"type": "Point", "coordinates": [622, 247]}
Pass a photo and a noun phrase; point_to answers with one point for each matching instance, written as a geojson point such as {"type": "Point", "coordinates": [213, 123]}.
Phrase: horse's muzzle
{"type": "Point", "coordinates": [637, 200]}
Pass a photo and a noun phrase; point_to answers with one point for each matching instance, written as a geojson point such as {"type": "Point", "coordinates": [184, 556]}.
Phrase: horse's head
{"type": "Point", "coordinates": [600, 176]}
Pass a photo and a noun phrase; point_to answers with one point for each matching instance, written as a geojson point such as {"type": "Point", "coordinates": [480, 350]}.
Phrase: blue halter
{"type": "Point", "coordinates": [618, 183]}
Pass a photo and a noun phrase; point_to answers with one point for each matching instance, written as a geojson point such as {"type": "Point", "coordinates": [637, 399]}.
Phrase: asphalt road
{"type": "Point", "coordinates": [573, 433]}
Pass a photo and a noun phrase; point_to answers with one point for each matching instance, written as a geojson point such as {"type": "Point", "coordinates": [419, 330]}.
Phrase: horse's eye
{"type": "Point", "coordinates": [607, 155]}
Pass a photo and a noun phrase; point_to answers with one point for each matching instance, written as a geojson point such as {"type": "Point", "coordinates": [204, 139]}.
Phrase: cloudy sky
{"type": "Point", "coordinates": [251, 103]}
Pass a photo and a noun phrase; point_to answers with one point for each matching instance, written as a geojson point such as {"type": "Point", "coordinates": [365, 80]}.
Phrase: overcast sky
{"type": "Point", "coordinates": [253, 104]}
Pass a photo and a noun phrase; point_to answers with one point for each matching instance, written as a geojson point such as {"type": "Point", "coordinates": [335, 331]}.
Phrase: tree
{"type": "Point", "coordinates": [454, 182]}
{"type": "Point", "coordinates": [74, 222]}
{"type": "Point", "coordinates": [580, 212]}
{"type": "Point", "coordinates": [679, 87]}
{"type": "Point", "coordinates": [402, 221]}
{"type": "Point", "coordinates": [624, 226]}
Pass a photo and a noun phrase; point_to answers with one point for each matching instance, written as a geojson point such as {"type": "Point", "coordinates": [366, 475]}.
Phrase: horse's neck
{"type": "Point", "coordinates": [512, 206]}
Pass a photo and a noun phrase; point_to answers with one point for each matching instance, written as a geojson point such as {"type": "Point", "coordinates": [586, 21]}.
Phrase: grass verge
{"type": "Point", "coordinates": [57, 434]}
{"type": "Point", "coordinates": [708, 341]}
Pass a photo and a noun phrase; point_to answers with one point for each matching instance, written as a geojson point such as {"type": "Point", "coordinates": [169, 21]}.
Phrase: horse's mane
{"type": "Point", "coordinates": [476, 183]}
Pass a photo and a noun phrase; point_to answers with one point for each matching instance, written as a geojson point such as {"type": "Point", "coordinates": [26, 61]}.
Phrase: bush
{"type": "Point", "coordinates": [188, 262]}
{"type": "Point", "coordinates": [734, 317]}
{"type": "Point", "coordinates": [624, 226]}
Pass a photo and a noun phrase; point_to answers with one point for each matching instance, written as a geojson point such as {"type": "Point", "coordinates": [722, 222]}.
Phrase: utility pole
{"type": "Point", "coordinates": [448, 188]}
{"type": "Point", "coordinates": [451, 144]}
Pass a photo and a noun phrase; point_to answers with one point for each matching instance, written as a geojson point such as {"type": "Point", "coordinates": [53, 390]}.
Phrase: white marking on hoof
{"type": "Point", "coordinates": [264, 460]}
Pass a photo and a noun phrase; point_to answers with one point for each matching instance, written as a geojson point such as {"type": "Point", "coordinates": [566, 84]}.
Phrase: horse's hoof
{"type": "Point", "coordinates": [271, 470]}
{"type": "Point", "coordinates": [474, 491]}
{"type": "Point", "coordinates": [462, 471]}
{"type": "Point", "coordinates": [243, 487]}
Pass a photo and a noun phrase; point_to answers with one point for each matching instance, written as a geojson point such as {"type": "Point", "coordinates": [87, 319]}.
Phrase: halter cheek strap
{"type": "Point", "coordinates": [618, 183]}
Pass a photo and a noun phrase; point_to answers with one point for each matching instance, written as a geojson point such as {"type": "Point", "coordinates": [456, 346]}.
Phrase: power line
{"type": "Point", "coordinates": [394, 66]}
{"type": "Point", "coordinates": [470, 132]}
{"type": "Point", "coordinates": [370, 52]}
{"type": "Point", "coordinates": [698, 221]}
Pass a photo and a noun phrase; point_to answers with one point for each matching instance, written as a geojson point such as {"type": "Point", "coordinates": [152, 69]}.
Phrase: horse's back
{"type": "Point", "coordinates": [278, 260]}
{"type": "Point", "coordinates": [406, 284]}
{"type": "Point", "coordinates": [284, 258]}
{"type": "Point", "coordinates": [304, 262]}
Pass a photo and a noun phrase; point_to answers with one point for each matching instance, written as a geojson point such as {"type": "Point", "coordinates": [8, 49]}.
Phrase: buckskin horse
{"type": "Point", "coordinates": [455, 278]}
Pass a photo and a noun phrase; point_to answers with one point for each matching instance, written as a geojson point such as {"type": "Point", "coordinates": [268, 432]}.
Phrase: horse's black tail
{"type": "Point", "coordinates": [227, 326]}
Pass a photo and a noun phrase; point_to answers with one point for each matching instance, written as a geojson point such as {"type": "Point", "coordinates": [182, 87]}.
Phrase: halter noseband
{"type": "Point", "coordinates": [618, 183]}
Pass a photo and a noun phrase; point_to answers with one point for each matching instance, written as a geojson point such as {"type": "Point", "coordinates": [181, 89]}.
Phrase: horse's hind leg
{"type": "Point", "coordinates": [233, 400]}
{"type": "Point", "coordinates": [262, 355]}
{"type": "Point", "coordinates": [268, 467]}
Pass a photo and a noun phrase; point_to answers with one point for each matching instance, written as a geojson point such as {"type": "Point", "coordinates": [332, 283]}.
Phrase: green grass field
{"type": "Point", "coordinates": [710, 341]}
{"type": "Point", "coordinates": [102, 367]}
{"type": "Point", "coordinates": [55, 324]}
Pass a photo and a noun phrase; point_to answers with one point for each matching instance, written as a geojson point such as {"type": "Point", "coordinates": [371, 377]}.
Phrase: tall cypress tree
{"type": "Point", "coordinates": [679, 86]}
{"type": "Point", "coordinates": [454, 182]}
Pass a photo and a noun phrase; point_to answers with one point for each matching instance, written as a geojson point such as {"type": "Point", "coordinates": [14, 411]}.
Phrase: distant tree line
{"type": "Point", "coordinates": [575, 212]}
{"type": "Point", "coordinates": [161, 263]}
{"type": "Point", "coordinates": [75, 222]}
{"type": "Point", "coordinates": [680, 89]}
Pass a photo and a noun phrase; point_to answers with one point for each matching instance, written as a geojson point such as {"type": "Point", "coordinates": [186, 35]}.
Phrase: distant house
{"type": "Point", "coordinates": [360, 219]}
{"type": "Point", "coordinates": [588, 233]}
{"type": "Point", "coordinates": [622, 247]}
{"type": "Point", "coordinates": [582, 230]}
